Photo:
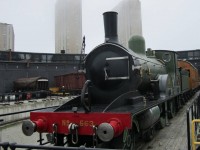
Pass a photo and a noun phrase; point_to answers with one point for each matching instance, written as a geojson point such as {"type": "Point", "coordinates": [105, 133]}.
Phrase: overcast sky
{"type": "Point", "coordinates": [167, 24]}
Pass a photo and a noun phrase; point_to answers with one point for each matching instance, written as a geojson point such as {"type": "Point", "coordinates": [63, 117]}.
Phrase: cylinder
{"type": "Point", "coordinates": [148, 118]}
{"type": "Point", "coordinates": [110, 26]}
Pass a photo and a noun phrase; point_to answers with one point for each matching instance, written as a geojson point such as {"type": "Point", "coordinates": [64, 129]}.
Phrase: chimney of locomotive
{"type": "Point", "coordinates": [110, 26]}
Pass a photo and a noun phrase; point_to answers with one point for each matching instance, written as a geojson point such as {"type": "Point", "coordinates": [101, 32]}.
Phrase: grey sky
{"type": "Point", "coordinates": [167, 24]}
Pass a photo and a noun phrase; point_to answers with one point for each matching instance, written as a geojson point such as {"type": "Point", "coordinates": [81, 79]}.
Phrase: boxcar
{"type": "Point", "coordinates": [71, 83]}
{"type": "Point", "coordinates": [193, 73]}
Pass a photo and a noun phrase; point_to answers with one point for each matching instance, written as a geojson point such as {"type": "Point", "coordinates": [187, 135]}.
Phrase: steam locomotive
{"type": "Point", "coordinates": [127, 94]}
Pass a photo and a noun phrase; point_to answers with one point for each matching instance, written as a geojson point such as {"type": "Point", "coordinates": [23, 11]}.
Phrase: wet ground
{"type": "Point", "coordinates": [173, 136]}
{"type": "Point", "coordinates": [13, 133]}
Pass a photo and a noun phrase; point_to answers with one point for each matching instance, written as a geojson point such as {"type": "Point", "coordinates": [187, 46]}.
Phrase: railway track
{"type": "Point", "coordinates": [173, 136]}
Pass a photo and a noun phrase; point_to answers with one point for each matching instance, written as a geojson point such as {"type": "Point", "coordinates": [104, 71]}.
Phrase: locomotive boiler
{"type": "Point", "coordinates": [127, 93]}
{"type": "Point", "coordinates": [114, 70]}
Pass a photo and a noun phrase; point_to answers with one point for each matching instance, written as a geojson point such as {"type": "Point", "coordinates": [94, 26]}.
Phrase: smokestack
{"type": "Point", "coordinates": [110, 26]}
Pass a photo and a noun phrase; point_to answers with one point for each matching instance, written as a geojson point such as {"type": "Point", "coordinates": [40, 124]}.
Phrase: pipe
{"type": "Point", "coordinates": [110, 26]}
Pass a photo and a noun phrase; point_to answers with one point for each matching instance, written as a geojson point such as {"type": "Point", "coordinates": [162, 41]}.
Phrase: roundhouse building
{"type": "Point", "coordinates": [15, 65]}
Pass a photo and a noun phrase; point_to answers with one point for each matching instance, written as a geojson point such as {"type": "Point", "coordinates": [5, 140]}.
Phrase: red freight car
{"type": "Point", "coordinates": [71, 83]}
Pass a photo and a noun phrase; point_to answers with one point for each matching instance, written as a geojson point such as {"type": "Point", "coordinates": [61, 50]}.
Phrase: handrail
{"type": "Point", "coordinates": [193, 115]}
{"type": "Point", "coordinates": [19, 112]}
{"type": "Point", "coordinates": [13, 146]}
{"type": "Point", "coordinates": [194, 141]}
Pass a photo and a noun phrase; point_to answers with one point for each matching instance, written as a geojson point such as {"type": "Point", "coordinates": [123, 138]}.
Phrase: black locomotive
{"type": "Point", "coordinates": [127, 94]}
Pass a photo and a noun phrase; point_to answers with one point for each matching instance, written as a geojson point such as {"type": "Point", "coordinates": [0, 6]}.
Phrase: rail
{"type": "Point", "coordinates": [3, 122]}
{"type": "Point", "coordinates": [24, 111]}
{"type": "Point", "coordinates": [193, 113]}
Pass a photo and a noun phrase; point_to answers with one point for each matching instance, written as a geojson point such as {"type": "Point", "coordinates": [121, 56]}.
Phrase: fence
{"type": "Point", "coordinates": [14, 146]}
{"type": "Point", "coordinates": [193, 115]}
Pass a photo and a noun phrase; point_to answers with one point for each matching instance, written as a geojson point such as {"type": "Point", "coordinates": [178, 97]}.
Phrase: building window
{"type": "Point", "coordinates": [196, 54]}
{"type": "Point", "coordinates": [190, 55]}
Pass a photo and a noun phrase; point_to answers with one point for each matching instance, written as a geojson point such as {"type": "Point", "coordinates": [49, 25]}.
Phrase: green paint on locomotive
{"type": "Point", "coordinates": [137, 44]}
{"type": "Point", "coordinates": [154, 72]}
{"type": "Point", "coordinates": [170, 60]}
